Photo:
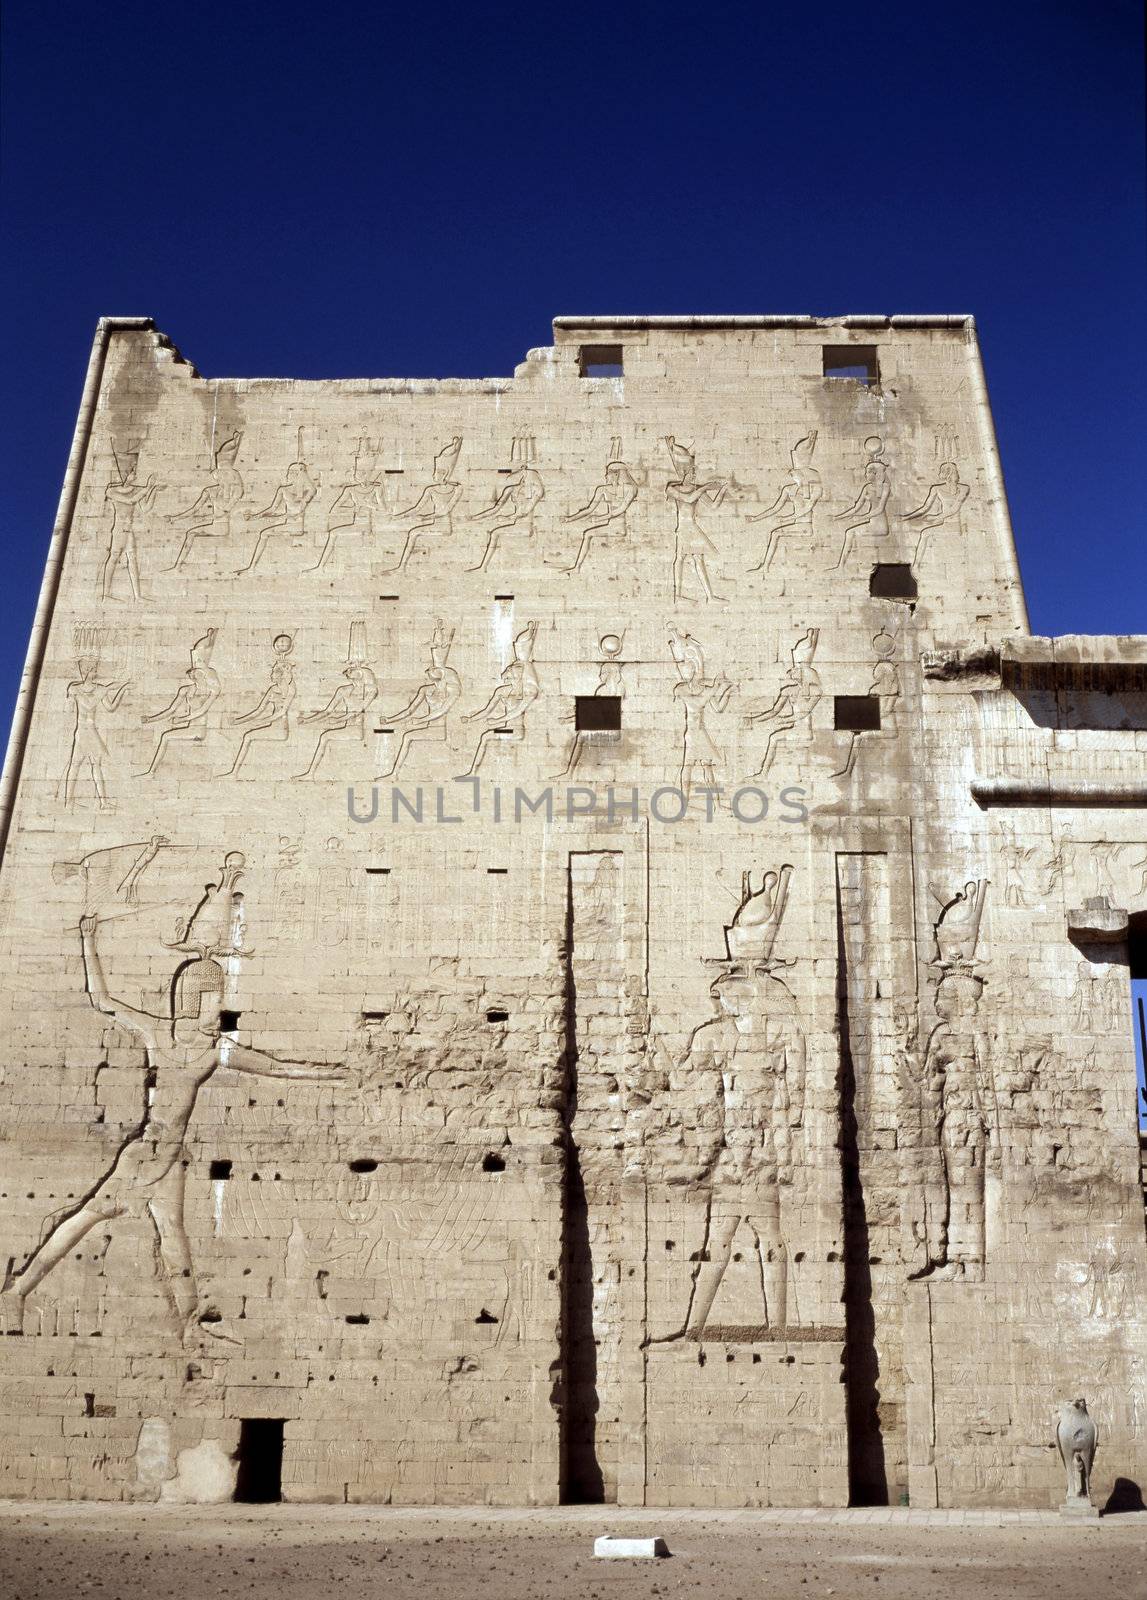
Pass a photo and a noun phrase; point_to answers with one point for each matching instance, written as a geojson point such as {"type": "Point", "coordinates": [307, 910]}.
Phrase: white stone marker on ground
{"type": "Point", "coordinates": [639, 1549]}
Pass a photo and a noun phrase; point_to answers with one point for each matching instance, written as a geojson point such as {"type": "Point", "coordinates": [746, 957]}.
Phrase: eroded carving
{"type": "Point", "coordinates": [213, 512]}
{"type": "Point", "coordinates": [605, 513]}
{"type": "Point", "coordinates": [700, 756]}
{"type": "Point", "coordinates": [343, 718]}
{"type": "Point", "coordinates": [941, 507]}
{"type": "Point", "coordinates": [359, 508]}
{"type": "Point", "coordinates": [867, 517]}
{"type": "Point", "coordinates": [423, 718]}
{"type": "Point", "coordinates": [432, 513]}
{"type": "Point", "coordinates": [185, 720]}
{"type": "Point", "coordinates": [504, 713]}
{"type": "Point", "coordinates": [127, 497]}
{"type": "Point", "coordinates": [286, 516]}
{"type": "Point", "coordinates": [796, 500]}
{"type": "Point", "coordinates": [796, 699]}
{"type": "Point", "coordinates": [91, 697]}
{"type": "Point", "coordinates": [269, 719]}
{"type": "Point", "coordinates": [693, 545]}
{"type": "Point", "coordinates": [514, 507]}
{"type": "Point", "coordinates": [182, 1049]}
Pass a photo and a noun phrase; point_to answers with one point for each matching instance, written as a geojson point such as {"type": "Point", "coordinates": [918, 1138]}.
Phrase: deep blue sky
{"type": "Point", "coordinates": [345, 189]}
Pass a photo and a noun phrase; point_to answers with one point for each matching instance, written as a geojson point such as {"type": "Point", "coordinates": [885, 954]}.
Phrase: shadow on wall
{"type": "Point", "coordinates": [1125, 1495]}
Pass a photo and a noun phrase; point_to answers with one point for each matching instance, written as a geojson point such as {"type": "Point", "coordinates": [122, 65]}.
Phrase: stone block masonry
{"type": "Point", "coordinates": [560, 940]}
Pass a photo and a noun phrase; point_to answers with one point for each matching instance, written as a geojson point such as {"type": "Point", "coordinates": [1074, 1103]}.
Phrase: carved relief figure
{"type": "Point", "coordinates": [127, 497]}
{"type": "Point", "coordinates": [750, 1063]}
{"type": "Point", "coordinates": [686, 495]}
{"type": "Point", "coordinates": [959, 1102]}
{"type": "Point", "coordinates": [1098, 1000]}
{"type": "Point", "coordinates": [360, 505]}
{"type": "Point", "coordinates": [867, 516]}
{"type": "Point", "coordinates": [211, 514]}
{"type": "Point", "coordinates": [286, 516]}
{"type": "Point", "coordinates": [697, 694]}
{"type": "Point", "coordinates": [182, 1050]}
{"type": "Point", "coordinates": [796, 699]}
{"type": "Point", "coordinates": [185, 719]}
{"type": "Point", "coordinates": [91, 697]}
{"type": "Point", "coordinates": [343, 718]}
{"type": "Point", "coordinates": [796, 500]}
{"type": "Point", "coordinates": [113, 874]}
{"type": "Point", "coordinates": [504, 714]}
{"type": "Point", "coordinates": [424, 717]}
{"type": "Point", "coordinates": [885, 689]}
{"type": "Point", "coordinates": [605, 512]}
{"type": "Point", "coordinates": [513, 510]}
{"type": "Point", "coordinates": [942, 507]}
{"type": "Point", "coordinates": [957, 928]}
{"type": "Point", "coordinates": [269, 719]}
{"type": "Point", "coordinates": [432, 512]}
{"type": "Point", "coordinates": [609, 682]}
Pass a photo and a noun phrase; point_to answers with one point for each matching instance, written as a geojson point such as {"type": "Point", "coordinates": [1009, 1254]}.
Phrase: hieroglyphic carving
{"type": "Point", "coordinates": [504, 714]}
{"type": "Point", "coordinates": [959, 1111]}
{"type": "Point", "coordinates": [693, 545]}
{"type": "Point", "coordinates": [957, 928]}
{"type": "Point", "coordinates": [423, 718]}
{"type": "Point", "coordinates": [867, 516]}
{"type": "Point", "coordinates": [182, 1050]}
{"type": "Point", "coordinates": [749, 1062]}
{"type": "Point", "coordinates": [796, 699]}
{"type": "Point", "coordinates": [796, 500]}
{"type": "Point", "coordinates": [343, 718]}
{"type": "Point", "coordinates": [885, 690]}
{"type": "Point", "coordinates": [185, 719]}
{"type": "Point", "coordinates": [959, 1103]}
{"type": "Point", "coordinates": [212, 513]}
{"type": "Point", "coordinates": [360, 506]}
{"type": "Point", "coordinates": [609, 682]}
{"type": "Point", "coordinates": [513, 508]}
{"type": "Point", "coordinates": [1100, 997]}
{"type": "Point", "coordinates": [605, 512]}
{"type": "Point", "coordinates": [127, 497]}
{"type": "Point", "coordinates": [697, 695]}
{"type": "Point", "coordinates": [941, 507]}
{"type": "Point", "coordinates": [432, 512]}
{"type": "Point", "coordinates": [286, 516]}
{"type": "Point", "coordinates": [269, 719]}
{"type": "Point", "coordinates": [91, 696]}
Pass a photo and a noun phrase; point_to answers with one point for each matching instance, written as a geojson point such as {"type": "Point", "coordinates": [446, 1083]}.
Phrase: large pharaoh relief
{"type": "Point", "coordinates": [954, 1086]}
{"type": "Point", "coordinates": [181, 1048]}
{"type": "Point", "coordinates": [728, 1129]}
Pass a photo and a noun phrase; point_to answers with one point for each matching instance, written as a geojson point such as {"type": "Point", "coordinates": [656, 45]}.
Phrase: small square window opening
{"type": "Point", "coordinates": [597, 713]}
{"type": "Point", "coordinates": [600, 361]}
{"type": "Point", "coordinates": [892, 580]}
{"type": "Point", "coordinates": [857, 713]}
{"type": "Point", "coordinates": [855, 361]}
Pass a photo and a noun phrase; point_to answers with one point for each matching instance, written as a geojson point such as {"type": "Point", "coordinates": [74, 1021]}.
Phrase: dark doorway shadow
{"type": "Point", "coordinates": [260, 1476]}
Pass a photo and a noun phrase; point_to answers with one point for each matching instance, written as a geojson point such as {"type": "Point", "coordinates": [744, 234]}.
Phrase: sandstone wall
{"type": "Point", "coordinates": [510, 1149]}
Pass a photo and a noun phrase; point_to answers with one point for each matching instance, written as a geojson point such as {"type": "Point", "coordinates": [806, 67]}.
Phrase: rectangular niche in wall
{"type": "Point", "coordinates": [597, 713]}
{"type": "Point", "coordinates": [855, 361]}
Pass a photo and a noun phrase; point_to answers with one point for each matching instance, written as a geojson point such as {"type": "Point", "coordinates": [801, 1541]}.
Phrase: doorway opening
{"type": "Point", "coordinates": [260, 1477]}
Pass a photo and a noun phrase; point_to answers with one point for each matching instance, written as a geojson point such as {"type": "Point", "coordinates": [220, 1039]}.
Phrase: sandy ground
{"type": "Point", "coordinates": [51, 1551]}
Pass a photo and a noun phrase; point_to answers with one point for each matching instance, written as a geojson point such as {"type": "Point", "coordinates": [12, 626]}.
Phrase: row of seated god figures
{"type": "Point", "coordinates": [307, 520]}
{"type": "Point", "coordinates": [195, 713]}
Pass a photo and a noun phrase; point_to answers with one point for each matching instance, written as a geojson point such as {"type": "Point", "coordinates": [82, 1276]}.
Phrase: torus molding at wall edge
{"type": "Point", "coordinates": [923, 320]}
{"type": "Point", "coordinates": [1056, 792]}
{"type": "Point", "coordinates": [37, 643]}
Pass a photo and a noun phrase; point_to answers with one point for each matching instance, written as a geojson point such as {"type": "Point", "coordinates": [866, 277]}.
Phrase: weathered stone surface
{"type": "Point", "coordinates": [645, 1143]}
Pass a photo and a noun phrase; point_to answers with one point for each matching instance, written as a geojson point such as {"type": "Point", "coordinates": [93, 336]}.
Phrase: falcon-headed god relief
{"type": "Point", "coordinates": [749, 1064]}
{"type": "Point", "coordinates": [182, 1050]}
{"type": "Point", "coordinates": [796, 500]}
{"type": "Point", "coordinates": [513, 508]}
{"type": "Point", "coordinates": [432, 513]}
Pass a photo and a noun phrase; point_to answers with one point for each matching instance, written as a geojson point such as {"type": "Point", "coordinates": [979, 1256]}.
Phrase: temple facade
{"type": "Point", "coordinates": [561, 940]}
